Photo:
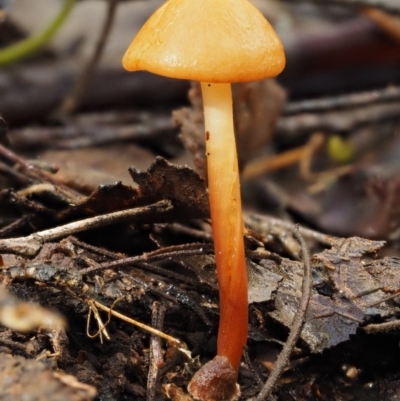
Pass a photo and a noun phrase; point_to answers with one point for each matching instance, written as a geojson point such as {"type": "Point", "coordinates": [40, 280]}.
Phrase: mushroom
{"type": "Point", "coordinates": [216, 42]}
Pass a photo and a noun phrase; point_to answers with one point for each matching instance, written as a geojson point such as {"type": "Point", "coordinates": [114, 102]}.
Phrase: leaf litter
{"type": "Point", "coordinates": [352, 290]}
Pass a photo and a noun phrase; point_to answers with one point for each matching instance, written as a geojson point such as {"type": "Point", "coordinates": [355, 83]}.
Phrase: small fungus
{"type": "Point", "coordinates": [216, 42]}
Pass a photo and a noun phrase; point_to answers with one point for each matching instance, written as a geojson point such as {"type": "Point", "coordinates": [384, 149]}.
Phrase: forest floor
{"type": "Point", "coordinates": [109, 290]}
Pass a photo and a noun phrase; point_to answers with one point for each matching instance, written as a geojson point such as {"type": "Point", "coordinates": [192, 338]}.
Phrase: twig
{"type": "Point", "coordinates": [297, 325]}
{"type": "Point", "coordinates": [200, 235]}
{"type": "Point", "coordinates": [255, 375]}
{"type": "Point", "coordinates": [391, 6]}
{"type": "Point", "coordinates": [14, 158]}
{"type": "Point", "coordinates": [31, 244]}
{"type": "Point", "coordinates": [301, 154]}
{"type": "Point", "coordinates": [167, 273]}
{"type": "Point", "coordinates": [337, 121]}
{"type": "Point", "coordinates": [15, 225]}
{"type": "Point", "coordinates": [343, 101]}
{"type": "Point", "coordinates": [388, 298]}
{"type": "Point", "coordinates": [94, 249]}
{"type": "Point", "coordinates": [36, 98]}
{"type": "Point", "coordinates": [156, 358]}
{"type": "Point", "coordinates": [72, 101]}
{"type": "Point", "coordinates": [143, 326]}
{"type": "Point", "coordinates": [102, 327]}
{"type": "Point", "coordinates": [94, 129]}
{"type": "Point", "coordinates": [385, 327]}
{"type": "Point", "coordinates": [149, 287]}
{"type": "Point", "coordinates": [34, 173]}
{"type": "Point", "coordinates": [386, 22]}
{"type": "Point", "coordinates": [142, 264]}
{"type": "Point", "coordinates": [159, 254]}
{"type": "Point", "coordinates": [267, 164]}
{"type": "Point", "coordinates": [264, 225]}
{"type": "Point", "coordinates": [313, 145]}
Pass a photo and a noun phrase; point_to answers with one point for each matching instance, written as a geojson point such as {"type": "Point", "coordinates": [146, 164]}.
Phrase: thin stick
{"type": "Point", "coordinates": [337, 120]}
{"type": "Point", "coordinates": [351, 100]}
{"type": "Point", "coordinates": [385, 327]}
{"type": "Point", "coordinates": [256, 376]}
{"type": "Point", "coordinates": [33, 172]}
{"type": "Point", "coordinates": [31, 244]}
{"type": "Point", "coordinates": [158, 254]}
{"type": "Point", "coordinates": [279, 161]}
{"type": "Point", "coordinates": [264, 225]}
{"type": "Point", "coordinates": [156, 358]}
{"type": "Point", "coordinates": [143, 326]}
{"type": "Point", "coordinates": [72, 101]}
{"type": "Point", "coordinates": [21, 222]}
{"type": "Point", "coordinates": [388, 24]}
{"type": "Point", "coordinates": [141, 263]}
{"type": "Point", "coordinates": [390, 6]}
{"type": "Point", "coordinates": [388, 298]}
{"type": "Point", "coordinates": [297, 325]}
{"type": "Point", "coordinates": [102, 330]}
{"type": "Point", "coordinates": [301, 154]}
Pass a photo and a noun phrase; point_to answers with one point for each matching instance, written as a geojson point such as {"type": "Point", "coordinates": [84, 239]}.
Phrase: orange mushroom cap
{"type": "Point", "coordinates": [218, 41]}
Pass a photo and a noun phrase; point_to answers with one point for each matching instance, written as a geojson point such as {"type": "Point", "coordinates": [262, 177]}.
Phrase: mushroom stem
{"type": "Point", "coordinates": [227, 220]}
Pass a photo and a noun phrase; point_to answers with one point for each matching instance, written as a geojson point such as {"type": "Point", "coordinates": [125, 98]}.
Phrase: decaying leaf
{"type": "Point", "coordinates": [386, 272]}
{"type": "Point", "coordinates": [262, 281]}
{"type": "Point", "coordinates": [162, 181]}
{"type": "Point", "coordinates": [344, 294]}
{"type": "Point", "coordinates": [180, 185]}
